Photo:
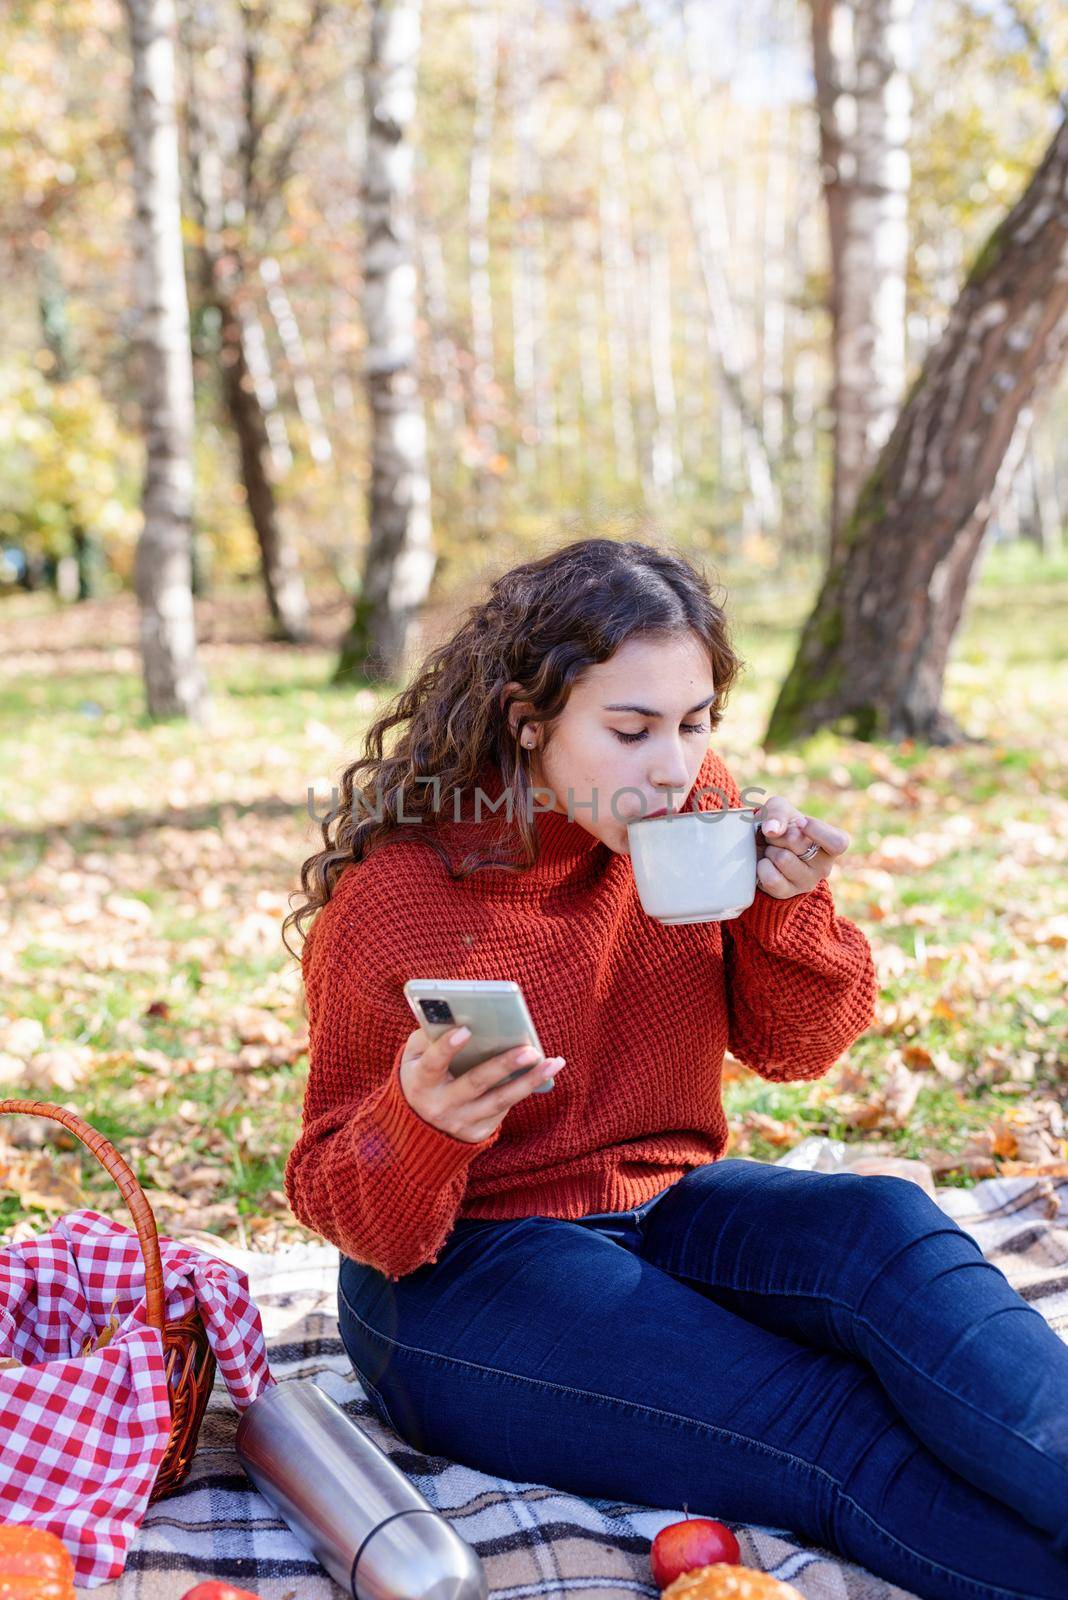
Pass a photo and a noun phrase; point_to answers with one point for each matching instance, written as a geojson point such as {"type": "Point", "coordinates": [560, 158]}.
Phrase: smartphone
{"type": "Point", "coordinates": [494, 1010]}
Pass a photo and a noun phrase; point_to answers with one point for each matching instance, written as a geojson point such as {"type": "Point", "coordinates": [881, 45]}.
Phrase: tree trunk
{"type": "Point", "coordinates": [484, 381]}
{"type": "Point", "coordinates": [1033, 521]}
{"type": "Point", "coordinates": [248, 388]}
{"type": "Point", "coordinates": [305, 392]}
{"type": "Point", "coordinates": [546, 403]}
{"type": "Point", "coordinates": [702, 193]}
{"type": "Point", "coordinates": [163, 562]}
{"type": "Point", "coordinates": [52, 304]}
{"type": "Point", "coordinates": [449, 409]}
{"type": "Point", "coordinates": [664, 466]}
{"type": "Point", "coordinates": [90, 563]}
{"type": "Point", "coordinates": [399, 563]}
{"type": "Point", "coordinates": [774, 291]}
{"type": "Point", "coordinates": [586, 247]}
{"type": "Point", "coordinates": [88, 558]}
{"type": "Point", "coordinates": [873, 653]}
{"type": "Point", "coordinates": [1048, 503]}
{"type": "Point", "coordinates": [282, 578]}
{"type": "Point", "coordinates": [535, 412]}
{"type": "Point", "coordinates": [237, 309]}
{"type": "Point", "coordinates": [864, 102]}
{"type": "Point", "coordinates": [617, 278]}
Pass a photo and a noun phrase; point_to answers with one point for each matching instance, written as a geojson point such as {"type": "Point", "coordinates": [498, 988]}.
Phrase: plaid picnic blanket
{"type": "Point", "coordinates": [218, 1526]}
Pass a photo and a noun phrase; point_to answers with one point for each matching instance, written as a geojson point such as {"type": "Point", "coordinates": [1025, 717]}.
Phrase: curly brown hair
{"type": "Point", "coordinates": [542, 624]}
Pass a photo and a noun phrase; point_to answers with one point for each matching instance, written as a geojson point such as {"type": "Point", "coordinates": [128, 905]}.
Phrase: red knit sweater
{"type": "Point", "coordinates": [642, 1013]}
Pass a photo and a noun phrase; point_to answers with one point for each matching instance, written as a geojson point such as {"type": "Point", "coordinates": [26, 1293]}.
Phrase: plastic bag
{"type": "Point", "coordinates": [816, 1154]}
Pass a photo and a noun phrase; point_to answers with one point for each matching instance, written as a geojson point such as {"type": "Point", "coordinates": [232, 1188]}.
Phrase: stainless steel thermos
{"type": "Point", "coordinates": [345, 1500]}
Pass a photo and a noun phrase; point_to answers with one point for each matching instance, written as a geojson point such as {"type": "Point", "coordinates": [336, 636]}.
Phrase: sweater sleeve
{"type": "Point", "coordinates": [800, 979]}
{"type": "Point", "coordinates": [367, 1172]}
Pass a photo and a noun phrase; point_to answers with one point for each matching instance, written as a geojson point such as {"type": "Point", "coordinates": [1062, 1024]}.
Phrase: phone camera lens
{"type": "Point", "coordinates": [437, 1010]}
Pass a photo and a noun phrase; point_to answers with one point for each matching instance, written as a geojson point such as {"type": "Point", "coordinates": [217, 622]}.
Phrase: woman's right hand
{"type": "Point", "coordinates": [473, 1105]}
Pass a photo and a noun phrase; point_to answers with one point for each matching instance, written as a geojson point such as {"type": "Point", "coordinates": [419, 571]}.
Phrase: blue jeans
{"type": "Point", "coordinates": [826, 1353]}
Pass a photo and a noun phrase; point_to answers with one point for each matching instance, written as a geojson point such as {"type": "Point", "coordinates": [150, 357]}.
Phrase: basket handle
{"type": "Point", "coordinates": [131, 1191]}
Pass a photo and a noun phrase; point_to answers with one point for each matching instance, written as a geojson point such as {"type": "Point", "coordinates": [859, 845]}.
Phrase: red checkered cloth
{"type": "Point", "coordinates": [82, 1436]}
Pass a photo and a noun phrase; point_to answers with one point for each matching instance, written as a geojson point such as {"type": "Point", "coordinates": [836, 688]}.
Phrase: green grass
{"type": "Point", "coordinates": [97, 802]}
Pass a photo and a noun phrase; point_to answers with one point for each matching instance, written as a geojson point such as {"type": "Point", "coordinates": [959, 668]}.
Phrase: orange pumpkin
{"type": "Point", "coordinates": [34, 1565]}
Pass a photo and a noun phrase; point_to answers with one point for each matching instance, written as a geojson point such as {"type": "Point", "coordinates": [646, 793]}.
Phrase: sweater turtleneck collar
{"type": "Point", "coordinates": [566, 850]}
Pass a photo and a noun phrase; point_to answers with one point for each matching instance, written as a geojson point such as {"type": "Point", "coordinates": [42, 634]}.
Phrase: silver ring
{"type": "Point", "coordinates": [806, 855]}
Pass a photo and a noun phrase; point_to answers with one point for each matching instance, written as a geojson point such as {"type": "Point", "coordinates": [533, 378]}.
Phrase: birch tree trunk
{"type": "Point", "coordinates": [546, 403]}
{"type": "Point", "coordinates": [253, 357]}
{"type": "Point", "coordinates": [863, 96]}
{"type": "Point", "coordinates": [702, 194]}
{"type": "Point", "coordinates": [449, 411]}
{"type": "Point", "coordinates": [163, 567]}
{"type": "Point", "coordinates": [872, 656]}
{"type": "Point", "coordinates": [588, 355]}
{"type": "Point", "coordinates": [1030, 506]}
{"type": "Point", "coordinates": [304, 390]}
{"type": "Point", "coordinates": [484, 407]}
{"type": "Point", "coordinates": [522, 297]}
{"type": "Point", "coordinates": [665, 457]}
{"type": "Point", "coordinates": [1049, 511]}
{"type": "Point", "coordinates": [774, 281]}
{"type": "Point", "coordinates": [88, 562]}
{"type": "Point", "coordinates": [536, 407]}
{"type": "Point", "coordinates": [399, 562]}
{"type": "Point", "coordinates": [804, 527]}
{"type": "Point", "coordinates": [617, 277]}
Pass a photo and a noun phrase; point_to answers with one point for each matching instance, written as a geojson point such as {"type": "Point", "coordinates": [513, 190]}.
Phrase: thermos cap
{"type": "Point", "coordinates": [424, 1558]}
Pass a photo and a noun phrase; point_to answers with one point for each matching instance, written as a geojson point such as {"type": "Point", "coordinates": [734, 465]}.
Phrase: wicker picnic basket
{"type": "Point", "coordinates": [190, 1360]}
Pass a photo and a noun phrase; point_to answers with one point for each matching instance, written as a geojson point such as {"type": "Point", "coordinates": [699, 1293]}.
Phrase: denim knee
{"type": "Point", "coordinates": [883, 1199]}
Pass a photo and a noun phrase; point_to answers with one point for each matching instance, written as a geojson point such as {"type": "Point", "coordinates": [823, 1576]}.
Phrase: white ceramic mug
{"type": "Point", "coordinates": [695, 866]}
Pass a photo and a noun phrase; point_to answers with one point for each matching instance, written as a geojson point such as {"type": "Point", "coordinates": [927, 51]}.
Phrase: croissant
{"type": "Point", "coordinates": [722, 1581]}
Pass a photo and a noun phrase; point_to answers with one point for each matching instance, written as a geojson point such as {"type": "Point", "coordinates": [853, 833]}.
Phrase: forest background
{"type": "Point", "coordinates": [606, 297]}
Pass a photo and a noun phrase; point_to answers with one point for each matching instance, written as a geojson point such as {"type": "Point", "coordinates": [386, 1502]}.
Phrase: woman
{"type": "Point", "coordinates": [573, 1287]}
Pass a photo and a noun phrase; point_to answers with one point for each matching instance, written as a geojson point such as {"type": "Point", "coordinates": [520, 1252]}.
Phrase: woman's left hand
{"type": "Point", "coordinates": [781, 871]}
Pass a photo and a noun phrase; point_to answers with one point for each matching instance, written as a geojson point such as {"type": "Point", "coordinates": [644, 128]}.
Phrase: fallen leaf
{"type": "Point", "coordinates": [44, 1183]}
{"type": "Point", "coordinates": [63, 1067]}
{"type": "Point", "coordinates": [890, 1106]}
{"type": "Point", "coordinates": [21, 1036]}
{"type": "Point", "coordinates": [257, 1026]}
{"type": "Point", "coordinates": [774, 1130]}
{"type": "Point", "coordinates": [1049, 1169]}
{"type": "Point", "coordinates": [106, 1334]}
{"type": "Point", "coordinates": [127, 909]}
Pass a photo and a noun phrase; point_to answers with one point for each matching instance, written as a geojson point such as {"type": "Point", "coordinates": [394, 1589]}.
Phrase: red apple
{"type": "Point", "coordinates": [682, 1546]}
{"type": "Point", "coordinates": [214, 1590]}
